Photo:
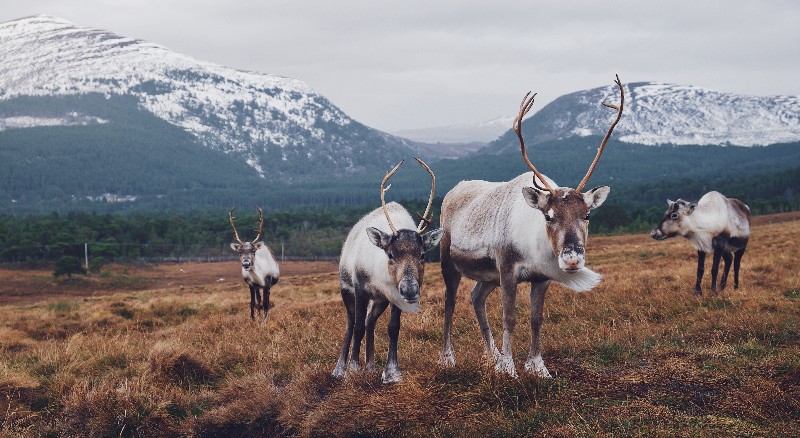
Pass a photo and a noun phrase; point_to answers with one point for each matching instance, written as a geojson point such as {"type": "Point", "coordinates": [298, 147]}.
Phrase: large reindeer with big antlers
{"type": "Point", "coordinates": [381, 264]}
{"type": "Point", "coordinates": [259, 268]}
{"type": "Point", "coordinates": [508, 233]}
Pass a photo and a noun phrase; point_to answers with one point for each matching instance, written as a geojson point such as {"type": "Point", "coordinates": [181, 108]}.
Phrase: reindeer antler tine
{"type": "Point", "coordinates": [383, 191]}
{"type": "Point", "coordinates": [260, 223]}
{"type": "Point", "coordinates": [608, 133]}
{"type": "Point", "coordinates": [426, 220]}
{"type": "Point", "coordinates": [235, 234]}
{"type": "Point", "coordinates": [524, 107]}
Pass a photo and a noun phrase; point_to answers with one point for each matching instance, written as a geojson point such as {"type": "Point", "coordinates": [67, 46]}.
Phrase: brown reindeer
{"type": "Point", "coordinates": [716, 223]}
{"type": "Point", "coordinates": [381, 264]}
{"type": "Point", "coordinates": [259, 268]}
{"type": "Point", "coordinates": [503, 234]}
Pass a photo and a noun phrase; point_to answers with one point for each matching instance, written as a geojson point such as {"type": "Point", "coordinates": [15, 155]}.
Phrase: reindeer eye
{"type": "Point", "coordinates": [586, 218]}
{"type": "Point", "coordinates": [391, 256]}
{"type": "Point", "coordinates": [548, 218]}
{"type": "Point", "coordinates": [673, 216]}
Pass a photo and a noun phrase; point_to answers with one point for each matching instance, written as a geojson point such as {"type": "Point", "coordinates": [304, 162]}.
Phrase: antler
{"type": "Point", "coordinates": [383, 191]}
{"type": "Point", "coordinates": [235, 234]}
{"type": "Point", "coordinates": [260, 224]}
{"type": "Point", "coordinates": [524, 107]}
{"type": "Point", "coordinates": [608, 134]}
{"type": "Point", "coordinates": [426, 220]}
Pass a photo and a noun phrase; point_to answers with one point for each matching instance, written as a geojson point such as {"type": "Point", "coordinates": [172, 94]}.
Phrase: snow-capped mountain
{"type": "Point", "coordinates": [273, 123]}
{"type": "Point", "coordinates": [658, 113]}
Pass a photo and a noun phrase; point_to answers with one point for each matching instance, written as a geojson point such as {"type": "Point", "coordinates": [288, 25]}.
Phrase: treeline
{"type": "Point", "coordinates": [321, 231]}
{"type": "Point", "coordinates": [33, 239]}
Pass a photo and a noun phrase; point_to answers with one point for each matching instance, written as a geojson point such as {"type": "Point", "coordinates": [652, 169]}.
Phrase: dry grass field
{"type": "Point", "coordinates": [170, 350]}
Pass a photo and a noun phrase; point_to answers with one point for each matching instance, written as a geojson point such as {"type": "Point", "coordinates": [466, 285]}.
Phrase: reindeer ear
{"type": "Point", "coordinates": [432, 238]}
{"type": "Point", "coordinates": [596, 196]}
{"type": "Point", "coordinates": [378, 237]}
{"type": "Point", "coordinates": [235, 246]}
{"type": "Point", "coordinates": [258, 245]}
{"type": "Point", "coordinates": [692, 206]}
{"type": "Point", "coordinates": [535, 198]}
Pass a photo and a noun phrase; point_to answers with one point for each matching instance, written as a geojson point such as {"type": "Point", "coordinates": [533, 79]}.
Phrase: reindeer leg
{"type": "Point", "coordinates": [715, 269]}
{"type": "Point", "coordinates": [391, 374]}
{"type": "Point", "coordinates": [252, 301]}
{"type": "Point", "coordinates": [360, 315]}
{"type": "Point", "coordinates": [701, 260]}
{"type": "Point", "coordinates": [737, 258]}
{"type": "Point", "coordinates": [535, 364]}
{"type": "Point", "coordinates": [348, 300]}
{"type": "Point", "coordinates": [480, 292]}
{"type": "Point", "coordinates": [508, 287]}
{"type": "Point", "coordinates": [375, 311]}
{"type": "Point", "coordinates": [451, 280]}
{"type": "Point", "coordinates": [258, 299]}
{"type": "Point", "coordinates": [728, 259]}
{"type": "Point", "coordinates": [266, 298]}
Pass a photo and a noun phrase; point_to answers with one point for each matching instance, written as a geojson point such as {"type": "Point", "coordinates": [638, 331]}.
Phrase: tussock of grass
{"type": "Point", "coordinates": [640, 355]}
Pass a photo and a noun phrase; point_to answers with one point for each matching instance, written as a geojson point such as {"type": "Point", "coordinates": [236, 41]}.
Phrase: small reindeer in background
{"type": "Point", "coordinates": [713, 223]}
{"type": "Point", "coordinates": [381, 265]}
{"type": "Point", "coordinates": [259, 268]}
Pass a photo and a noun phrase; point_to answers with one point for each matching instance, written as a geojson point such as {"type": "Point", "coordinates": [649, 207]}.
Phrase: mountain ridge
{"type": "Point", "coordinates": [251, 115]}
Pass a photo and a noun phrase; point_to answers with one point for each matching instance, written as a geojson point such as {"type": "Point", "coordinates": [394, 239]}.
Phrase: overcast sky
{"type": "Point", "coordinates": [416, 64]}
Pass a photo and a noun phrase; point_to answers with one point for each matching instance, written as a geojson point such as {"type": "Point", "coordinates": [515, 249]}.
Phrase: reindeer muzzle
{"type": "Point", "coordinates": [572, 260]}
{"type": "Point", "coordinates": [409, 290]}
{"type": "Point", "coordinates": [657, 234]}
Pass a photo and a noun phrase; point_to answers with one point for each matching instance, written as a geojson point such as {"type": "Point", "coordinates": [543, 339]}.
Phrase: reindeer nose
{"type": "Point", "coordinates": [655, 234]}
{"type": "Point", "coordinates": [572, 263]}
{"type": "Point", "coordinates": [571, 259]}
{"type": "Point", "coordinates": [409, 290]}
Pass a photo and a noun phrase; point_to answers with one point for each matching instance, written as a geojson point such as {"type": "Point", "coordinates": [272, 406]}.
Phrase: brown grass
{"type": "Point", "coordinates": [640, 355]}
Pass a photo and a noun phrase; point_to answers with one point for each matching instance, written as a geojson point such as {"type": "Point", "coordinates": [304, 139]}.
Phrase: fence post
{"type": "Point", "coordinates": [86, 255]}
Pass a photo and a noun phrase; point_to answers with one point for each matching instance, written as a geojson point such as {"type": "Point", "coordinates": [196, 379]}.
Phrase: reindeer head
{"type": "Point", "coordinates": [566, 211]}
{"type": "Point", "coordinates": [405, 249]}
{"type": "Point", "coordinates": [247, 250]}
{"type": "Point", "coordinates": [676, 221]}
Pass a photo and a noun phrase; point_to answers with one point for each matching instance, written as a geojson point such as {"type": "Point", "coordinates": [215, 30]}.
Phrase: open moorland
{"type": "Point", "coordinates": [169, 350]}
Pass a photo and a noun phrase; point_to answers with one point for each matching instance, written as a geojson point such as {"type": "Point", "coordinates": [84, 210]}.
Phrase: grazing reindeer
{"type": "Point", "coordinates": [382, 265]}
{"type": "Point", "coordinates": [713, 223]}
{"type": "Point", "coordinates": [259, 268]}
{"type": "Point", "coordinates": [508, 233]}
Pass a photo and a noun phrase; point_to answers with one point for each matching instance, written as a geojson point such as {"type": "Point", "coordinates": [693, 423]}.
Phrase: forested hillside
{"type": "Point", "coordinates": [319, 232]}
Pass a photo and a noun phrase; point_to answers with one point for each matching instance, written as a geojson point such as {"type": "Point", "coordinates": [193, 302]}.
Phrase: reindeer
{"type": "Point", "coordinates": [380, 266]}
{"type": "Point", "coordinates": [503, 234]}
{"type": "Point", "coordinates": [713, 223]}
{"type": "Point", "coordinates": [259, 268]}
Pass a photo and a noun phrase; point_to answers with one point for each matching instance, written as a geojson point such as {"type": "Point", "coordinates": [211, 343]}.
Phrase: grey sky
{"type": "Point", "coordinates": [414, 64]}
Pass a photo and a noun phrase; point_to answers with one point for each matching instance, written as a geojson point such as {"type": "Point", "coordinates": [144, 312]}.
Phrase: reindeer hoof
{"type": "Point", "coordinates": [698, 291]}
{"type": "Point", "coordinates": [536, 367]}
{"type": "Point", "coordinates": [447, 359]}
{"type": "Point", "coordinates": [391, 376]}
{"type": "Point", "coordinates": [338, 372]}
{"type": "Point", "coordinates": [505, 365]}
